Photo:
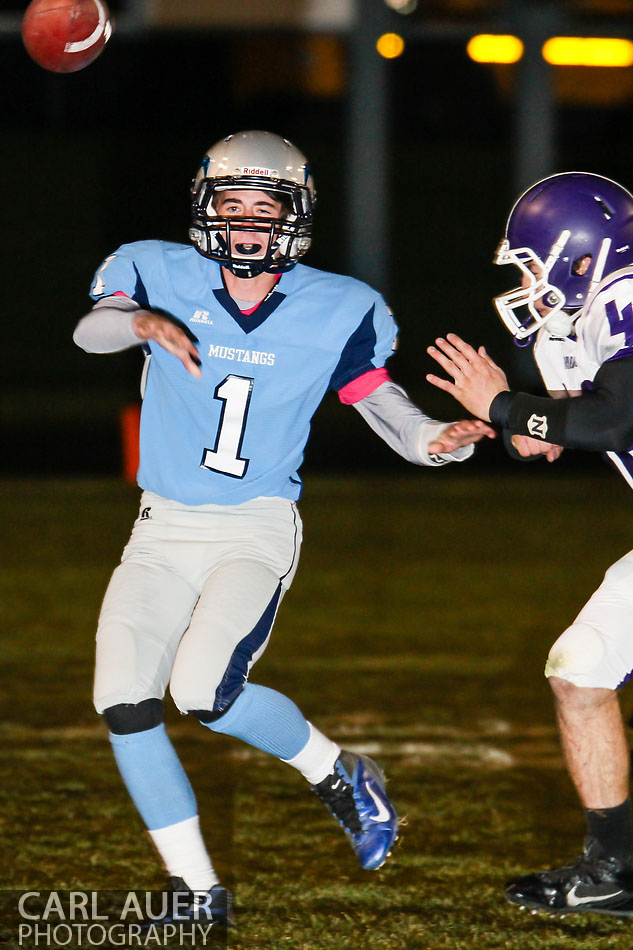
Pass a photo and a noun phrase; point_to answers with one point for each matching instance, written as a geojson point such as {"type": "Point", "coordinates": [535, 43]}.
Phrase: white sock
{"type": "Point", "coordinates": [182, 849]}
{"type": "Point", "coordinates": [316, 759]}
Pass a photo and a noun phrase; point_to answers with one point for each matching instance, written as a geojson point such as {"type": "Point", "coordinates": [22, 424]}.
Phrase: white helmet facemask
{"type": "Point", "coordinates": [534, 290]}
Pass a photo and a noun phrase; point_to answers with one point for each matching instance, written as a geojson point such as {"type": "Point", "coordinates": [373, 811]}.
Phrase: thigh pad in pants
{"type": "Point", "coordinates": [597, 649]}
{"type": "Point", "coordinates": [180, 572]}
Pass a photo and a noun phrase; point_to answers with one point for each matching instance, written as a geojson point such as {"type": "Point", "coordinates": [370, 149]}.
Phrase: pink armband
{"type": "Point", "coordinates": [363, 386]}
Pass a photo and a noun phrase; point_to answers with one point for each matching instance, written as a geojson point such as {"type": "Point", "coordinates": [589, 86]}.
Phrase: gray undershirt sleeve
{"type": "Point", "coordinates": [107, 328]}
{"type": "Point", "coordinates": [404, 427]}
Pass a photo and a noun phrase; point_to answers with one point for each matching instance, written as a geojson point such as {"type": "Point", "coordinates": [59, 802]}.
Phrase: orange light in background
{"type": "Point", "coordinates": [322, 59]}
{"type": "Point", "coordinates": [588, 51]}
{"type": "Point", "coordinates": [495, 48]}
{"type": "Point", "coordinates": [390, 45]}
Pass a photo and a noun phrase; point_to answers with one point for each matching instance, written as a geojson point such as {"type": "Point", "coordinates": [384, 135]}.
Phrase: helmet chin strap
{"type": "Point", "coordinates": [245, 269]}
{"type": "Point", "coordinates": [560, 323]}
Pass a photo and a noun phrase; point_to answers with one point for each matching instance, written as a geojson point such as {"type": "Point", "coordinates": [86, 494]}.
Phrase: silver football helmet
{"type": "Point", "coordinates": [256, 161]}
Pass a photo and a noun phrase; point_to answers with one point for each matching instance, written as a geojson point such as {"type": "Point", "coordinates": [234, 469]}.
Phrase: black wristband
{"type": "Point", "coordinates": [539, 417]}
{"type": "Point", "coordinates": [499, 410]}
{"type": "Point", "coordinates": [599, 419]}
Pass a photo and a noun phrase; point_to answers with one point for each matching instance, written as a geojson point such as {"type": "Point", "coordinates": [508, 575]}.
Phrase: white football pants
{"type": "Point", "coordinates": [193, 601]}
{"type": "Point", "coordinates": [597, 649]}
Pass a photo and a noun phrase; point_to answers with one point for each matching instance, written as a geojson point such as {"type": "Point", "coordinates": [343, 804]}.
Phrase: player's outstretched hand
{"type": "Point", "coordinates": [527, 447]}
{"type": "Point", "coordinates": [476, 377]}
{"type": "Point", "coordinates": [154, 326]}
{"type": "Point", "coordinates": [458, 434]}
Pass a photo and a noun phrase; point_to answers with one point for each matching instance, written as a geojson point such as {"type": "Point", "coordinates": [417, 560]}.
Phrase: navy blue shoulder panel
{"type": "Point", "coordinates": [140, 294]}
{"type": "Point", "coordinates": [357, 354]}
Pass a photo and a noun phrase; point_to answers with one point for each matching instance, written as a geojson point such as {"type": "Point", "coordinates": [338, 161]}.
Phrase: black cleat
{"type": "Point", "coordinates": [182, 906]}
{"type": "Point", "coordinates": [595, 883]}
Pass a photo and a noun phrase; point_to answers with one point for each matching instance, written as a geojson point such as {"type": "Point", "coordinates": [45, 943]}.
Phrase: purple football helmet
{"type": "Point", "coordinates": [565, 233]}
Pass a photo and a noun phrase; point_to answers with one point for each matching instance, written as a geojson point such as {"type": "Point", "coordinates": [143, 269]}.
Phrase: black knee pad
{"type": "Point", "coordinates": [207, 715]}
{"type": "Point", "coordinates": [126, 718]}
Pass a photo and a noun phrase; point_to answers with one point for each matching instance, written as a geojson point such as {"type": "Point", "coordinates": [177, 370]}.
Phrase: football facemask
{"type": "Point", "coordinates": [534, 290]}
{"type": "Point", "coordinates": [253, 161]}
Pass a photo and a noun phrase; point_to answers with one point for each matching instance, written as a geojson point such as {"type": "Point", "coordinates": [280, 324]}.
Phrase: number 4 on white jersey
{"type": "Point", "coordinates": [235, 393]}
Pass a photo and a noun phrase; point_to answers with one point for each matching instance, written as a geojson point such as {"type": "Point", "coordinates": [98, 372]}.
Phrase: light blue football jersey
{"type": "Point", "coordinates": [239, 432]}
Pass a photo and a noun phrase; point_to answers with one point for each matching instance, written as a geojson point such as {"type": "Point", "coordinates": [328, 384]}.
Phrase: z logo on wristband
{"type": "Point", "coordinates": [537, 426]}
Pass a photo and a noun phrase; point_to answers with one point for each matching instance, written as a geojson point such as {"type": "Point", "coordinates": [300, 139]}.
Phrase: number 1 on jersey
{"type": "Point", "coordinates": [235, 393]}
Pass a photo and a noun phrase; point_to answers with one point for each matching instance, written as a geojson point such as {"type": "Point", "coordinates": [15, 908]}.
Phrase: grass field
{"type": "Point", "coordinates": [416, 630]}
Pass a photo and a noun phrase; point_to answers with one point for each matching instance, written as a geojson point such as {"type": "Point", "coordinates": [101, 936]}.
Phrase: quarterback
{"type": "Point", "coordinates": [241, 343]}
{"type": "Point", "coordinates": [571, 235]}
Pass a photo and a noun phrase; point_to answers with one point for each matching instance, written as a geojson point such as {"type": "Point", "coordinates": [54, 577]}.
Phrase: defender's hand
{"type": "Point", "coordinates": [459, 434]}
{"type": "Point", "coordinates": [526, 447]}
{"type": "Point", "coordinates": [153, 326]}
{"type": "Point", "coordinates": [476, 378]}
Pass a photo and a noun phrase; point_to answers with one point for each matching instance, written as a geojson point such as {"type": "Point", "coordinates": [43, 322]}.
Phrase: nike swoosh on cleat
{"type": "Point", "coordinates": [573, 900]}
{"type": "Point", "coordinates": [382, 812]}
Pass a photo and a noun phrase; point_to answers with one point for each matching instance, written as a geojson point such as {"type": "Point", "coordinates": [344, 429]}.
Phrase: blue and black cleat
{"type": "Point", "coordinates": [355, 795]}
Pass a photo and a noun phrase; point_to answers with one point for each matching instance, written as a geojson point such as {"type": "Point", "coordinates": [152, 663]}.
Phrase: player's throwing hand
{"type": "Point", "coordinates": [476, 377]}
{"type": "Point", "coordinates": [154, 326]}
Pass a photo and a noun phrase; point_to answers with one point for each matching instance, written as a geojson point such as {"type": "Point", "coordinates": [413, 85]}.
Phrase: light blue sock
{"type": "Point", "coordinates": [154, 777]}
{"type": "Point", "coordinates": [267, 720]}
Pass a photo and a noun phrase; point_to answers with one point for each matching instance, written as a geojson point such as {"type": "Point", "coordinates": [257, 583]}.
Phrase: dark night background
{"type": "Point", "coordinates": [105, 156]}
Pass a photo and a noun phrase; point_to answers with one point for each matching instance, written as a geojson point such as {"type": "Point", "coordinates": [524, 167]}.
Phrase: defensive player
{"type": "Point", "coordinates": [571, 236]}
{"type": "Point", "coordinates": [242, 343]}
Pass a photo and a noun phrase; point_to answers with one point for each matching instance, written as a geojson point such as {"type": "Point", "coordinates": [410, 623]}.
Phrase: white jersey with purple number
{"type": "Point", "coordinates": [602, 332]}
{"type": "Point", "coordinates": [239, 432]}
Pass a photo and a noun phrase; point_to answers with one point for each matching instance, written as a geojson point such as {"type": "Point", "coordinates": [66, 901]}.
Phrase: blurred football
{"type": "Point", "coordinates": [65, 35]}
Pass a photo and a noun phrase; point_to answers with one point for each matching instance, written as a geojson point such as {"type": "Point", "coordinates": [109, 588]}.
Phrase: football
{"type": "Point", "coordinates": [65, 35]}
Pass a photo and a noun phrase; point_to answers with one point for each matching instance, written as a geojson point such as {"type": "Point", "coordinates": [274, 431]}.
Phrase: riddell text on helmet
{"type": "Point", "coordinates": [256, 171]}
